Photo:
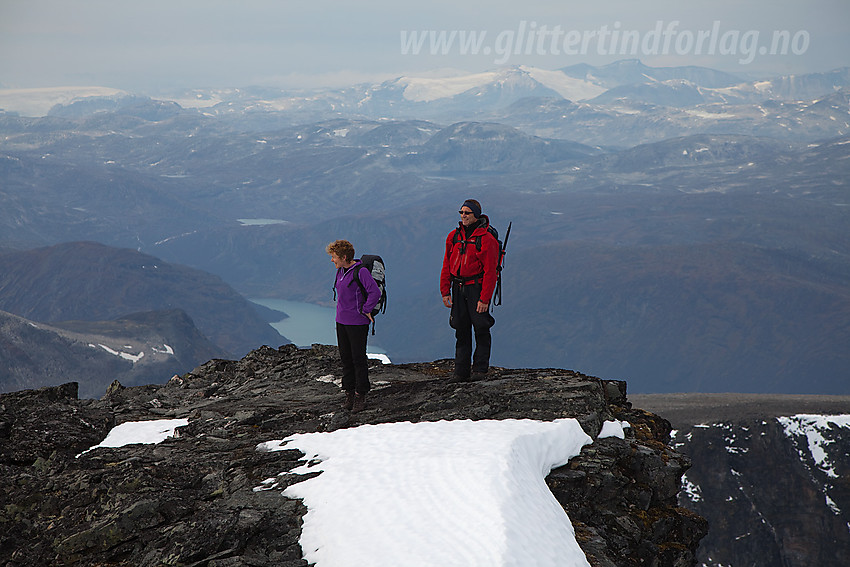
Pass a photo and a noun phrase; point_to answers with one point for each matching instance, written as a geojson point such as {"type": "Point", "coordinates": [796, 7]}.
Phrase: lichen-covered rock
{"type": "Point", "coordinates": [189, 500]}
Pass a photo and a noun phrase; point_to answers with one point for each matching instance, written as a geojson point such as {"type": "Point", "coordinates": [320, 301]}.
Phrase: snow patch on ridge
{"type": "Point", "coordinates": [146, 432]}
{"type": "Point", "coordinates": [388, 492]}
{"type": "Point", "coordinates": [568, 87]}
{"type": "Point", "coordinates": [428, 89]}
{"type": "Point", "coordinates": [134, 358]}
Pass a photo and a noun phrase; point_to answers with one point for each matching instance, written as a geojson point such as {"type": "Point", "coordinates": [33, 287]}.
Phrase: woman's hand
{"type": "Point", "coordinates": [447, 300]}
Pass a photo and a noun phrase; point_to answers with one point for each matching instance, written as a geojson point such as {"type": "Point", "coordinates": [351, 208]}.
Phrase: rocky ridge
{"type": "Point", "coordinates": [190, 500]}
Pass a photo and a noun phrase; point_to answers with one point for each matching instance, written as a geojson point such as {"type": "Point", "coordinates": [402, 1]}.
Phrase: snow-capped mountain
{"type": "Point", "coordinates": [38, 101]}
{"type": "Point", "coordinates": [510, 83]}
{"type": "Point", "coordinates": [632, 72]}
{"type": "Point", "coordinates": [619, 90]}
{"type": "Point", "coordinates": [611, 88]}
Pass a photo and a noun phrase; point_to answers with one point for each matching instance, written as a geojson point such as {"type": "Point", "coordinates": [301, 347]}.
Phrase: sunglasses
{"type": "Point", "coordinates": [465, 212]}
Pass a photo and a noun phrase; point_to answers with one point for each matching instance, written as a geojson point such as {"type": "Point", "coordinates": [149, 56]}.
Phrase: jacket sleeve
{"type": "Point", "coordinates": [445, 274]}
{"type": "Point", "coordinates": [373, 292]}
{"type": "Point", "coordinates": [490, 259]}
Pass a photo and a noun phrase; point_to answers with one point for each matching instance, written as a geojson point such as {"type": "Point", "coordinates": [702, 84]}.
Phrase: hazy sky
{"type": "Point", "coordinates": [156, 44]}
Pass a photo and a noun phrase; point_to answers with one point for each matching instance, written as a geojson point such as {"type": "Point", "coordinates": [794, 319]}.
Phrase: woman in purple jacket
{"type": "Point", "coordinates": [354, 304]}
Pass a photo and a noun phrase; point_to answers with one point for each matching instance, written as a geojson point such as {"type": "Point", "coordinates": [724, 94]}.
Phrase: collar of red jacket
{"type": "Point", "coordinates": [481, 228]}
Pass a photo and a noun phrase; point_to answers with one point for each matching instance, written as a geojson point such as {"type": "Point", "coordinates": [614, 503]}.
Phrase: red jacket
{"type": "Point", "coordinates": [464, 259]}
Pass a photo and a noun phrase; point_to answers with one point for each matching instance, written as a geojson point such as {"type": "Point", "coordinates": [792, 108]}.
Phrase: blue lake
{"type": "Point", "coordinates": [308, 323]}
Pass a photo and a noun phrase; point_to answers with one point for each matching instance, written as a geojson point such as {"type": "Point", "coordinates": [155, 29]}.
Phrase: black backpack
{"type": "Point", "coordinates": [375, 265]}
{"type": "Point", "coordinates": [497, 293]}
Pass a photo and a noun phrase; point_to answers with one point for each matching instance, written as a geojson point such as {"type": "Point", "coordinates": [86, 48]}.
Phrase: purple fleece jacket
{"type": "Point", "coordinates": [350, 303]}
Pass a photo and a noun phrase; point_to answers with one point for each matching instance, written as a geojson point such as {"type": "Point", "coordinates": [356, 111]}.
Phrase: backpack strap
{"type": "Point", "coordinates": [335, 280]}
{"type": "Point", "coordinates": [463, 242]}
{"type": "Point", "coordinates": [363, 289]}
{"type": "Point", "coordinates": [357, 279]}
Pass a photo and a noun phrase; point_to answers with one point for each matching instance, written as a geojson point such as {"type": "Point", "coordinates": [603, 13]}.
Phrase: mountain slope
{"type": "Point", "coordinates": [632, 71]}
{"type": "Point", "coordinates": [79, 193]}
{"type": "Point", "coordinates": [482, 147]}
{"type": "Point", "coordinates": [141, 348]}
{"type": "Point", "coordinates": [92, 282]}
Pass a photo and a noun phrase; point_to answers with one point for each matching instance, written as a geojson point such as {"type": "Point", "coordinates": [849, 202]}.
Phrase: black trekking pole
{"type": "Point", "coordinates": [507, 235]}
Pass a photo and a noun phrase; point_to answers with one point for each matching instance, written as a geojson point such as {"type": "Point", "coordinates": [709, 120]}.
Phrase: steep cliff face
{"type": "Point", "coordinates": [190, 499]}
{"type": "Point", "coordinates": [774, 490]}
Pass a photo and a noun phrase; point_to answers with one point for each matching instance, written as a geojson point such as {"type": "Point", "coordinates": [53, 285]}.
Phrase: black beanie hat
{"type": "Point", "coordinates": [474, 207]}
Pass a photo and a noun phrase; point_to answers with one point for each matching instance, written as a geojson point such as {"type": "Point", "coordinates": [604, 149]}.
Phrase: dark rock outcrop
{"type": "Point", "coordinates": [190, 500]}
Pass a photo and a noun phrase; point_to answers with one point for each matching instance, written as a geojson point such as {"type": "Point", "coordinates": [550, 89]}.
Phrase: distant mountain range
{"type": "Point", "coordinates": [679, 244]}
{"type": "Point", "coordinates": [619, 90]}
{"type": "Point", "coordinates": [478, 95]}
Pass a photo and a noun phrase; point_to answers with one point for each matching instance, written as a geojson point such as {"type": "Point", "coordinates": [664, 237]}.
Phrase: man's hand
{"type": "Point", "coordinates": [447, 300]}
{"type": "Point", "coordinates": [482, 307]}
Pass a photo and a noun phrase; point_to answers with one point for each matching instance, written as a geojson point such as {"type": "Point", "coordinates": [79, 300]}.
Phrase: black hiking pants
{"type": "Point", "coordinates": [464, 318]}
{"type": "Point", "coordinates": [351, 340]}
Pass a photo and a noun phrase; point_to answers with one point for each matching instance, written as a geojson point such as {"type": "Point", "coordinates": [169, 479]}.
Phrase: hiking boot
{"type": "Point", "coordinates": [359, 403]}
{"type": "Point", "coordinates": [477, 376]}
{"type": "Point", "coordinates": [349, 400]}
{"type": "Point", "coordinates": [457, 378]}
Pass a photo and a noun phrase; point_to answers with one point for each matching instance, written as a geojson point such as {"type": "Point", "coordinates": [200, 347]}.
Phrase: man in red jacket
{"type": "Point", "coordinates": [467, 282]}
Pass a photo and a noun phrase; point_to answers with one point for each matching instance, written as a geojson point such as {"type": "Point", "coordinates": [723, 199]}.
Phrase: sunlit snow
{"type": "Point", "coordinates": [614, 429]}
{"type": "Point", "coordinates": [148, 432]}
{"type": "Point", "coordinates": [383, 358]}
{"type": "Point", "coordinates": [427, 89]}
{"type": "Point", "coordinates": [448, 493]}
{"type": "Point", "coordinates": [691, 490]}
{"type": "Point", "coordinates": [568, 87]}
{"type": "Point", "coordinates": [125, 355]}
{"type": "Point", "coordinates": [423, 89]}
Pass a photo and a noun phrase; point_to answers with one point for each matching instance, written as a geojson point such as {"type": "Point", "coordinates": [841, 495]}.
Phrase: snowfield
{"type": "Point", "coordinates": [447, 493]}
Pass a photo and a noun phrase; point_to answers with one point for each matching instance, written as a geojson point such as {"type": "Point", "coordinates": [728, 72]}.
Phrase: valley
{"type": "Point", "coordinates": [680, 243]}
